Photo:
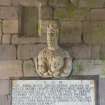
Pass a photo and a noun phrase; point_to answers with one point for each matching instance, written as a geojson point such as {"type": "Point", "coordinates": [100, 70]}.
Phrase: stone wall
{"type": "Point", "coordinates": [82, 24]}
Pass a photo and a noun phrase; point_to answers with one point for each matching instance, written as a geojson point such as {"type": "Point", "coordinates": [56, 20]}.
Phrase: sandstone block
{"type": "Point", "coordinates": [91, 3]}
{"type": "Point", "coordinates": [81, 52]}
{"type": "Point", "coordinates": [70, 32]}
{"type": "Point", "coordinates": [71, 13]}
{"type": "Point", "coordinates": [101, 89]}
{"type": "Point", "coordinates": [95, 52]}
{"type": "Point", "coordinates": [94, 32]}
{"type": "Point", "coordinates": [5, 2]}
{"type": "Point", "coordinates": [10, 26]}
{"type": "Point", "coordinates": [29, 68]}
{"type": "Point", "coordinates": [8, 12]}
{"type": "Point", "coordinates": [7, 52]}
{"type": "Point", "coordinates": [28, 2]}
{"type": "Point", "coordinates": [4, 100]}
{"type": "Point", "coordinates": [58, 3]}
{"type": "Point", "coordinates": [10, 68]}
{"type": "Point", "coordinates": [46, 12]}
{"type": "Point", "coordinates": [25, 40]}
{"type": "Point", "coordinates": [6, 39]}
{"type": "Point", "coordinates": [89, 67]}
{"type": "Point", "coordinates": [29, 51]}
{"type": "Point", "coordinates": [97, 14]}
{"type": "Point", "coordinates": [4, 87]}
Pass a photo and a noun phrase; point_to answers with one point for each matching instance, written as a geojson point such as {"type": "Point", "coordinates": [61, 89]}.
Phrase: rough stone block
{"type": "Point", "coordinates": [28, 2]}
{"type": "Point", "coordinates": [7, 52]}
{"type": "Point", "coordinates": [71, 13]}
{"type": "Point", "coordinates": [101, 91]}
{"type": "Point", "coordinates": [59, 3]}
{"type": "Point", "coordinates": [29, 68]}
{"type": "Point", "coordinates": [70, 32]}
{"type": "Point", "coordinates": [91, 3]}
{"type": "Point", "coordinates": [6, 39]}
{"type": "Point", "coordinates": [46, 12]}
{"type": "Point", "coordinates": [5, 2]}
{"type": "Point", "coordinates": [29, 51]}
{"type": "Point", "coordinates": [8, 12]}
{"type": "Point", "coordinates": [4, 87]}
{"type": "Point", "coordinates": [81, 52]}
{"type": "Point", "coordinates": [89, 67]}
{"type": "Point", "coordinates": [10, 26]}
{"type": "Point", "coordinates": [97, 14]}
{"type": "Point", "coordinates": [94, 32]}
{"type": "Point", "coordinates": [10, 68]}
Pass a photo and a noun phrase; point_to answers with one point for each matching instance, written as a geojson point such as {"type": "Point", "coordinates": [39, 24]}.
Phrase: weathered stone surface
{"type": "Point", "coordinates": [10, 26]}
{"type": "Point", "coordinates": [89, 67]}
{"type": "Point", "coordinates": [97, 14]}
{"type": "Point", "coordinates": [8, 12]}
{"type": "Point", "coordinates": [101, 91]}
{"type": "Point", "coordinates": [4, 87]}
{"type": "Point", "coordinates": [94, 32]}
{"type": "Point", "coordinates": [46, 12]}
{"type": "Point", "coordinates": [91, 3]}
{"type": "Point", "coordinates": [29, 68]}
{"type": "Point", "coordinates": [81, 52]}
{"type": "Point", "coordinates": [70, 32]}
{"type": "Point", "coordinates": [10, 68]}
{"type": "Point", "coordinates": [29, 51]}
{"type": "Point", "coordinates": [71, 13]}
{"type": "Point", "coordinates": [6, 39]}
{"type": "Point", "coordinates": [58, 3]}
{"type": "Point", "coordinates": [4, 100]}
{"type": "Point", "coordinates": [26, 40]}
{"type": "Point", "coordinates": [95, 52]}
{"type": "Point", "coordinates": [75, 2]}
{"type": "Point", "coordinates": [29, 2]}
{"type": "Point", "coordinates": [102, 52]}
{"type": "Point", "coordinates": [5, 2]}
{"type": "Point", "coordinates": [7, 52]}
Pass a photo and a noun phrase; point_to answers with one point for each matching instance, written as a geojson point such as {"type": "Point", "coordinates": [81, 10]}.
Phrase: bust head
{"type": "Point", "coordinates": [52, 35]}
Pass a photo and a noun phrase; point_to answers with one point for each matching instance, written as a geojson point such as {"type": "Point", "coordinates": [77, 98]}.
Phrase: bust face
{"type": "Point", "coordinates": [52, 35]}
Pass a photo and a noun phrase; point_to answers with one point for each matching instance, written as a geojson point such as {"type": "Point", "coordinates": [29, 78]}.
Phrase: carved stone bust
{"type": "Point", "coordinates": [53, 61]}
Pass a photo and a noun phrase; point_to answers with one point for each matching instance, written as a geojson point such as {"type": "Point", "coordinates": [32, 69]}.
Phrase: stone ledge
{"type": "Point", "coordinates": [89, 67]}
{"type": "Point", "coordinates": [10, 68]}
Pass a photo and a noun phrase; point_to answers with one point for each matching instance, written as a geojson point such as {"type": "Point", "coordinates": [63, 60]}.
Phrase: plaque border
{"type": "Point", "coordinates": [74, 77]}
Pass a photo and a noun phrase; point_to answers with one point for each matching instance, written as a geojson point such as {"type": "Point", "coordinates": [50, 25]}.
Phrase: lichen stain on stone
{"type": "Point", "coordinates": [79, 68]}
{"type": "Point", "coordinates": [71, 9]}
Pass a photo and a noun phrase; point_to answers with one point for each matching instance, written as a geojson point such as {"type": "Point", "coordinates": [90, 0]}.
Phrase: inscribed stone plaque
{"type": "Point", "coordinates": [54, 92]}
